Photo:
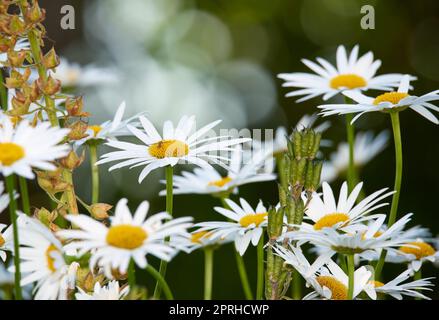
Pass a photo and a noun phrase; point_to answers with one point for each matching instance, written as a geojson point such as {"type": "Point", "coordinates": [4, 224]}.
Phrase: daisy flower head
{"type": "Point", "coordinates": [111, 291]}
{"type": "Point", "coordinates": [74, 75]}
{"type": "Point", "coordinates": [246, 224]}
{"type": "Point", "coordinates": [176, 145]}
{"type": "Point", "coordinates": [210, 181]}
{"type": "Point", "coordinates": [43, 261]}
{"type": "Point", "coordinates": [128, 237]}
{"type": "Point", "coordinates": [392, 101]}
{"type": "Point", "coordinates": [197, 240]}
{"type": "Point", "coordinates": [26, 147]}
{"type": "Point", "coordinates": [359, 241]}
{"type": "Point", "coordinates": [415, 253]}
{"type": "Point", "coordinates": [110, 129]}
{"type": "Point", "coordinates": [350, 73]}
{"type": "Point", "coordinates": [332, 283]}
{"type": "Point", "coordinates": [397, 289]}
{"type": "Point", "coordinates": [366, 148]}
{"type": "Point", "coordinates": [325, 212]}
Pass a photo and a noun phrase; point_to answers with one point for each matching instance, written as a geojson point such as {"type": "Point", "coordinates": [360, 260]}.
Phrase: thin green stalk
{"type": "Point", "coordinates": [169, 172]}
{"type": "Point", "coordinates": [3, 92]}
{"type": "Point", "coordinates": [241, 266]}
{"type": "Point", "coordinates": [351, 270]}
{"type": "Point", "coordinates": [350, 131]}
{"type": "Point", "coordinates": [24, 194]}
{"type": "Point", "coordinates": [10, 186]}
{"type": "Point", "coordinates": [166, 290]}
{"type": "Point", "coordinates": [132, 274]}
{"type": "Point", "coordinates": [397, 187]}
{"type": "Point", "coordinates": [260, 264]}
{"type": "Point", "coordinates": [297, 285]}
{"type": "Point", "coordinates": [208, 272]}
{"type": "Point", "coordinates": [94, 173]}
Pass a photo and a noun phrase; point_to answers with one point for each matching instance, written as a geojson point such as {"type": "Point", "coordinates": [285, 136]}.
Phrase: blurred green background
{"type": "Point", "coordinates": [238, 48]}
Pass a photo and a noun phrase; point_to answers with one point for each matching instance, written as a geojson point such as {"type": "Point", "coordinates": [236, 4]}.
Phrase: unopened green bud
{"type": "Point", "coordinates": [309, 176]}
{"type": "Point", "coordinates": [318, 165]}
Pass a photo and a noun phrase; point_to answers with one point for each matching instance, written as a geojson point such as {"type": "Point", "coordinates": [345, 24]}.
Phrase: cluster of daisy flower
{"type": "Point", "coordinates": [88, 251]}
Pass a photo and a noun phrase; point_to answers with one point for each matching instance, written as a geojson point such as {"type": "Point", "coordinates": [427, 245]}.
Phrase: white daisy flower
{"type": "Point", "coordinates": [6, 240]}
{"type": "Point", "coordinates": [74, 75]}
{"type": "Point", "coordinates": [389, 101]}
{"type": "Point", "coordinates": [366, 148]}
{"type": "Point", "coordinates": [196, 240]}
{"type": "Point", "coordinates": [397, 289]}
{"type": "Point", "coordinates": [415, 253]}
{"type": "Point", "coordinates": [43, 261]}
{"type": "Point", "coordinates": [111, 291]}
{"type": "Point", "coordinates": [110, 129]}
{"type": "Point", "coordinates": [359, 241]}
{"type": "Point", "coordinates": [350, 73]}
{"type": "Point", "coordinates": [128, 237]}
{"type": "Point", "coordinates": [210, 181]}
{"type": "Point", "coordinates": [25, 147]}
{"type": "Point", "coordinates": [21, 44]}
{"type": "Point", "coordinates": [344, 214]}
{"type": "Point", "coordinates": [332, 283]}
{"type": "Point", "coordinates": [246, 224]}
{"type": "Point", "coordinates": [177, 145]}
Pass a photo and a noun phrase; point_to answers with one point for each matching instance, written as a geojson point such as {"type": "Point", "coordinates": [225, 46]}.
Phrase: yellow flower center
{"type": "Point", "coordinates": [392, 97]}
{"type": "Point", "coordinates": [338, 289]}
{"type": "Point", "coordinates": [49, 257]}
{"type": "Point", "coordinates": [168, 149]}
{"type": "Point", "coordinates": [419, 249]}
{"type": "Point", "coordinates": [376, 284]}
{"type": "Point", "coordinates": [2, 240]}
{"type": "Point", "coordinates": [197, 237]}
{"type": "Point", "coordinates": [330, 220]}
{"type": "Point", "coordinates": [220, 183]}
{"type": "Point", "coordinates": [125, 236]}
{"type": "Point", "coordinates": [255, 219]}
{"type": "Point", "coordinates": [10, 153]}
{"type": "Point", "coordinates": [96, 129]}
{"type": "Point", "coordinates": [350, 81]}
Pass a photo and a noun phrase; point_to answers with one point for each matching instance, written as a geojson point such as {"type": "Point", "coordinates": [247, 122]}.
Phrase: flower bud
{"type": "Point", "coordinates": [78, 130]}
{"type": "Point", "coordinates": [51, 59]}
{"type": "Point", "coordinates": [52, 181]}
{"type": "Point", "coordinates": [16, 79]}
{"type": "Point", "coordinates": [99, 211]}
{"type": "Point", "coordinates": [49, 87]}
{"type": "Point", "coordinates": [16, 58]}
{"type": "Point", "coordinates": [72, 161]}
{"type": "Point", "coordinates": [35, 14]}
{"type": "Point", "coordinates": [74, 107]}
{"type": "Point", "coordinates": [45, 216]}
{"type": "Point", "coordinates": [16, 25]}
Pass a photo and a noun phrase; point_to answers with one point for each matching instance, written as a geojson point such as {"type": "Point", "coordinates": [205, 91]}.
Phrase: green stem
{"type": "Point", "coordinates": [351, 271]}
{"type": "Point", "coordinates": [10, 186]}
{"type": "Point", "coordinates": [3, 92]}
{"type": "Point", "coordinates": [208, 273]}
{"type": "Point", "coordinates": [166, 290]}
{"type": "Point", "coordinates": [169, 172]}
{"type": "Point", "coordinates": [132, 274]}
{"type": "Point", "coordinates": [350, 131]}
{"type": "Point", "coordinates": [94, 173]}
{"type": "Point", "coordinates": [397, 187]}
{"type": "Point", "coordinates": [260, 264]}
{"type": "Point", "coordinates": [297, 285]}
{"type": "Point", "coordinates": [24, 194]}
{"type": "Point", "coordinates": [241, 266]}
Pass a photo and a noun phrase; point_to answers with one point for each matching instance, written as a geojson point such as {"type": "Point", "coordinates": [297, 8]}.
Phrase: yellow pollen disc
{"type": "Point", "coordinates": [96, 129]}
{"type": "Point", "coordinates": [220, 183]}
{"type": "Point", "coordinates": [330, 220]}
{"type": "Point", "coordinates": [420, 249]}
{"type": "Point", "coordinates": [376, 284]}
{"type": "Point", "coordinates": [10, 153]}
{"type": "Point", "coordinates": [168, 149]}
{"type": "Point", "coordinates": [50, 259]}
{"type": "Point", "coordinates": [2, 240]}
{"type": "Point", "coordinates": [392, 97]}
{"type": "Point", "coordinates": [197, 237]}
{"type": "Point", "coordinates": [125, 236]}
{"type": "Point", "coordinates": [338, 289]}
{"type": "Point", "coordinates": [350, 81]}
{"type": "Point", "coordinates": [255, 219]}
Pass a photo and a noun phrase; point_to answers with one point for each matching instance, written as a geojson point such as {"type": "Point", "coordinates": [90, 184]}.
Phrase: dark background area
{"type": "Point", "coordinates": [406, 39]}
